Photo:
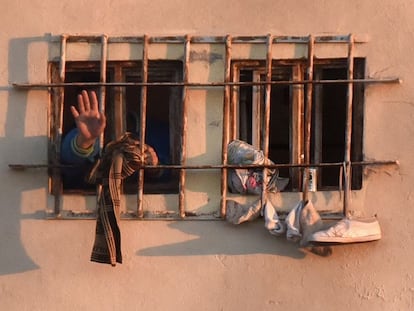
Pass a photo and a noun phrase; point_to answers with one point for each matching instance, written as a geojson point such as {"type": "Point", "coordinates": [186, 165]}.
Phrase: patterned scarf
{"type": "Point", "coordinates": [120, 159]}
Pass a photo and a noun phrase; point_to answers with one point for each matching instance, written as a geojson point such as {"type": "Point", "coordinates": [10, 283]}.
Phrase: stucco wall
{"type": "Point", "coordinates": [204, 265]}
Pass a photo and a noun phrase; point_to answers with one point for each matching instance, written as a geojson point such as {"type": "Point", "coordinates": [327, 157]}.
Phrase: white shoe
{"type": "Point", "coordinates": [349, 231]}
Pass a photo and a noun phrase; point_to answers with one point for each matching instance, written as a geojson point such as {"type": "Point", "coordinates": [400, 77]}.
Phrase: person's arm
{"type": "Point", "coordinates": [81, 143]}
{"type": "Point", "coordinates": [72, 153]}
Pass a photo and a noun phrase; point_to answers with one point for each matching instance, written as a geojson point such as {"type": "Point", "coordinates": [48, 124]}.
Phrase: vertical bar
{"type": "Point", "coordinates": [102, 98]}
{"type": "Point", "coordinates": [226, 117]}
{"type": "Point", "coordinates": [348, 129]}
{"type": "Point", "coordinates": [181, 197]}
{"type": "Point", "coordinates": [257, 114]}
{"type": "Point", "coordinates": [318, 127]}
{"type": "Point", "coordinates": [266, 123]}
{"type": "Point", "coordinates": [143, 122]}
{"type": "Point", "coordinates": [62, 61]}
{"type": "Point", "coordinates": [296, 130]}
{"type": "Point", "coordinates": [57, 182]}
{"type": "Point", "coordinates": [102, 79]}
{"type": "Point", "coordinates": [308, 118]}
{"type": "Point", "coordinates": [119, 104]}
{"type": "Point", "coordinates": [235, 98]}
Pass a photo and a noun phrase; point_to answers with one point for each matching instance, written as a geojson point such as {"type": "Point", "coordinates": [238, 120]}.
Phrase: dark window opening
{"type": "Point", "coordinates": [245, 107]}
{"type": "Point", "coordinates": [280, 121]}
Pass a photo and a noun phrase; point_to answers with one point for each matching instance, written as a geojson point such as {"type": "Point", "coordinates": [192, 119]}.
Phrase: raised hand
{"type": "Point", "coordinates": [89, 120]}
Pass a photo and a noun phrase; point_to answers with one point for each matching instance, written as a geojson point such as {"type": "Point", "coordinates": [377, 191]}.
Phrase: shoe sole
{"type": "Point", "coordinates": [367, 238]}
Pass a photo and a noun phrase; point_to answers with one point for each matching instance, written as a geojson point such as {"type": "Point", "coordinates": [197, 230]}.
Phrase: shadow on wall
{"type": "Point", "coordinates": [223, 238]}
{"type": "Point", "coordinates": [16, 148]}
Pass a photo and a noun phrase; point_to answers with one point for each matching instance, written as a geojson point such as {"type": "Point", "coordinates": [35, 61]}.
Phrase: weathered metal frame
{"type": "Point", "coordinates": [308, 118]}
{"type": "Point", "coordinates": [229, 103]}
{"type": "Point", "coordinates": [143, 116]}
{"type": "Point", "coordinates": [348, 127]}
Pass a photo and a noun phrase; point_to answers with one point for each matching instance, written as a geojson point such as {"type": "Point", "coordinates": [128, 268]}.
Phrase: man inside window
{"type": "Point", "coordinates": [80, 146]}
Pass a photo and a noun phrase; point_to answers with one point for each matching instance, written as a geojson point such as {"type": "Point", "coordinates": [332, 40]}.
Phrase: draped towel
{"type": "Point", "coordinates": [120, 159]}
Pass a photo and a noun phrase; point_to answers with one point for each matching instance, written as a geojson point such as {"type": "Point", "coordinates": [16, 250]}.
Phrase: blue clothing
{"type": "Point", "coordinates": [74, 177]}
{"type": "Point", "coordinates": [69, 155]}
{"type": "Point", "coordinates": [157, 136]}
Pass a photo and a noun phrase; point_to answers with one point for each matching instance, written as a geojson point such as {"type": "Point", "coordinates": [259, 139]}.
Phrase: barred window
{"type": "Point", "coordinates": [287, 107]}
{"type": "Point", "coordinates": [300, 99]}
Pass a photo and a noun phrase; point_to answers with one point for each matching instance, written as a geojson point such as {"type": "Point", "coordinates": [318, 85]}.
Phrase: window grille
{"type": "Point", "coordinates": [230, 85]}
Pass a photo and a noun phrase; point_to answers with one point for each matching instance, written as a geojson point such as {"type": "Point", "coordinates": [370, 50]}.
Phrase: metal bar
{"type": "Point", "coordinates": [57, 180]}
{"type": "Point", "coordinates": [308, 118]}
{"type": "Point", "coordinates": [260, 39]}
{"type": "Point", "coordinates": [296, 142]}
{"type": "Point", "coordinates": [102, 79]}
{"type": "Point", "coordinates": [226, 129]}
{"type": "Point", "coordinates": [118, 104]}
{"type": "Point", "coordinates": [181, 196]}
{"type": "Point", "coordinates": [234, 100]}
{"type": "Point", "coordinates": [266, 119]}
{"type": "Point", "coordinates": [222, 166]}
{"type": "Point", "coordinates": [143, 120]}
{"type": "Point", "coordinates": [85, 38]}
{"type": "Point", "coordinates": [62, 59]}
{"type": "Point", "coordinates": [210, 84]}
{"type": "Point", "coordinates": [348, 128]}
{"type": "Point", "coordinates": [169, 216]}
{"type": "Point", "coordinates": [169, 39]}
{"type": "Point", "coordinates": [102, 100]}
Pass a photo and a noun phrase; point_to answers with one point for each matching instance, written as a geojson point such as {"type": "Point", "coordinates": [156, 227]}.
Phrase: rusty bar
{"type": "Point", "coordinates": [85, 38]}
{"type": "Point", "coordinates": [181, 196]}
{"type": "Point", "coordinates": [296, 132]}
{"type": "Point", "coordinates": [169, 39]}
{"type": "Point", "coordinates": [210, 84]}
{"type": "Point", "coordinates": [118, 105]}
{"type": "Point", "coordinates": [260, 39]}
{"type": "Point", "coordinates": [348, 129]}
{"type": "Point", "coordinates": [62, 60]}
{"type": "Point", "coordinates": [226, 130]}
{"type": "Point", "coordinates": [126, 39]}
{"type": "Point", "coordinates": [234, 98]}
{"type": "Point", "coordinates": [143, 122]}
{"type": "Point", "coordinates": [210, 39]}
{"type": "Point", "coordinates": [57, 181]}
{"type": "Point", "coordinates": [102, 79]}
{"type": "Point", "coordinates": [308, 118]}
{"type": "Point", "coordinates": [207, 167]}
{"type": "Point", "coordinates": [62, 73]}
{"type": "Point", "coordinates": [102, 98]}
{"type": "Point", "coordinates": [266, 119]}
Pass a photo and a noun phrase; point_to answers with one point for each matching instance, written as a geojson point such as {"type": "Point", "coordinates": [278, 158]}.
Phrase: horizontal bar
{"type": "Point", "coordinates": [211, 39]}
{"type": "Point", "coordinates": [169, 215]}
{"type": "Point", "coordinates": [210, 84]}
{"type": "Point", "coordinates": [221, 166]}
{"type": "Point", "coordinates": [30, 166]}
{"type": "Point", "coordinates": [148, 215]}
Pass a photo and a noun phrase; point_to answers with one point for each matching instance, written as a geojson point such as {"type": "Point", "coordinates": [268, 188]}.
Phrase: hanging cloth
{"type": "Point", "coordinates": [251, 181]}
{"type": "Point", "coordinates": [120, 159]}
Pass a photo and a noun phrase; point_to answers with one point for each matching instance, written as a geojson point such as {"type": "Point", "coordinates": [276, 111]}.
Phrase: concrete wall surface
{"type": "Point", "coordinates": [205, 265]}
